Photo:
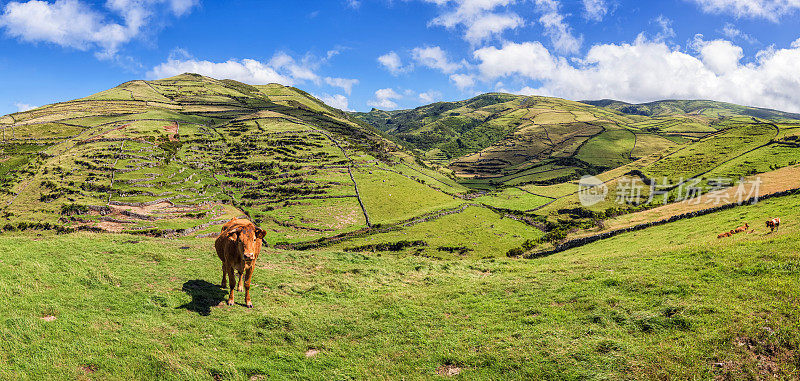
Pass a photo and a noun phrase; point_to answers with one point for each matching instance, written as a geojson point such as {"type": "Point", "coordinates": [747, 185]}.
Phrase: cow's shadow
{"type": "Point", "coordinates": [204, 296]}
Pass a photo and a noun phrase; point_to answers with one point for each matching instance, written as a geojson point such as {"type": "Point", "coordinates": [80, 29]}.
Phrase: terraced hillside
{"type": "Point", "coordinates": [180, 156]}
{"type": "Point", "coordinates": [705, 108]}
{"type": "Point", "coordinates": [506, 139]}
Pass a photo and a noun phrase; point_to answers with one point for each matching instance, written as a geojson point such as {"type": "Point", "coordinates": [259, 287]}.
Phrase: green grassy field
{"type": "Point", "coordinates": [667, 302]}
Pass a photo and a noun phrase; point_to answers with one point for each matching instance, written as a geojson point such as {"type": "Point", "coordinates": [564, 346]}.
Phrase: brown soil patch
{"type": "Point", "coordinates": [88, 368]}
{"type": "Point", "coordinates": [173, 131]}
{"type": "Point", "coordinates": [760, 359]}
{"type": "Point", "coordinates": [48, 318]}
{"type": "Point", "coordinates": [448, 370]}
{"type": "Point", "coordinates": [111, 227]}
{"type": "Point", "coordinates": [312, 352]}
{"type": "Point", "coordinates": [100, 135]}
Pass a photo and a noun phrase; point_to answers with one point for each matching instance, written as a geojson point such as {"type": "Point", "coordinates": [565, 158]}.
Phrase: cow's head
{"type": "Point", "coordinates": [248, 241]}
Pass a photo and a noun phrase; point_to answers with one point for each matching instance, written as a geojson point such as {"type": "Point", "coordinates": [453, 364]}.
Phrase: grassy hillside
{"type": "Point", "coordinates": [667, 302]}
{"type": "Point", "coordinates": [180, 156]}
{"type": "Point", "coordinates": [692, 107]}
{"type": "Point", "coordinates": [506, 139]}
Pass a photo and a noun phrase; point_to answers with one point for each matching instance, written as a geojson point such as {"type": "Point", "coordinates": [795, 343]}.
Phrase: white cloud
{"type": "Point", "coordinates": [435, 58]}
{"type": "Point", "coordinates": [336, 101]}
{"type": "Point", "coordinates": [733, 33]}
{"type": "Point", "coordinates": [391, 61]}
{"type": "Point", "coordinates": [302, 70]}
{"type": "Point", "coordinates": [651, 70]}
{"type": "Point", "coordinates": [355, 4]}
{"type": "Point", "coordinates": [463, 81]}
{"type": "Point", "coordinates": [343, 83]}
{"type": "Point", "coordinates": [595, 9]}
{"type": "Point", "coordinates": [430, 96]}
{"type": "Point", "coordinates": [556, 28]}
{"type": "Point", "coordinates": [719, 56]}
{"type": "Point", "coordinates": [529, 59]}
{"type": "Point", "coordinates": [666, 31]}
{"type": "Point", "coordinates": [246, 70]}
{"type": "Point", "coordinates": [771, 10]}
{"type": "Point", "coordinates": [23, 107]}
{"type": "Point", "coordinates": [384, 99]}
{"type": "Point", "coordinates": [74, 24]}
{"type": "Point", "coordinates": [479, 18]}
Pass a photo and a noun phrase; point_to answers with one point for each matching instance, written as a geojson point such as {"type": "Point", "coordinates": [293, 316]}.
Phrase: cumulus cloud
{"type": "Point", "coordinates": [391, 61]}
{"type": "Point", "coordinates": [556, 28]}
{"type": "Point", "coordinates": [595, 9]}
{"type": "Point", "coordinates": [302, 70]}
{"type": "Point", "coordinates": [245, 70]}
{"type": "Point", "coordinates": [343, 83]}
{"type": "Point", "coordinates": [384, 99]}
{"type": "Point", "coordinates": [75, 24]}
{"type": "Point", "coordinates": [463, 81]}
{"type": "Point", "coordinates": [479, 19]}
{"type": "Point", "coordinates": [435, 58]}
{"type": "Point", "coordinates": [23, 107]}
{"type": "Point", "coordinates": [281, 68]}
{"type": "Point", "coordinates": [429, 96]}
{"type": "Point", "coordinates": [649, 70]}
{"type": "Point", "coordinates": [771, 10]}
{"type": "Point", "coordinates": [336, 101]}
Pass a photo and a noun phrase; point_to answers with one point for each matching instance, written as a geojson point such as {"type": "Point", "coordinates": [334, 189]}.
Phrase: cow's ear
{"type": "Point", "coordinates": [260, 233]}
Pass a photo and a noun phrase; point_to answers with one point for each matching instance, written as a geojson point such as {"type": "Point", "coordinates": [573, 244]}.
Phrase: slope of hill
{"type": "Point", "coordinates": [706, 108]}
{"type": "Point", "coordinates": [671, 302]}
{"type": "Point", "coordinates": [507, 139]}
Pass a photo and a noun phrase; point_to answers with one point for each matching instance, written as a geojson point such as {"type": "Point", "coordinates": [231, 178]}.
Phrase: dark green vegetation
{"type": "Point", "coordinates": [669, 302]}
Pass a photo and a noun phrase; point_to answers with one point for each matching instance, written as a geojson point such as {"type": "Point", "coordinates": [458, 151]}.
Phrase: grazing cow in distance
{"type": "Point", "coordinates": [773, 224]}
{"type": "Point", "coordinates": [724, 235]}
{"type": "Point", "coordinates": [742, 229]}
{"type": "Point", "coordinates": [238, 246]}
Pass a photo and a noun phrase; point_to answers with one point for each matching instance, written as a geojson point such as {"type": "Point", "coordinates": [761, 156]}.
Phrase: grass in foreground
{"type": "Point", "coordinates": [634, 306]}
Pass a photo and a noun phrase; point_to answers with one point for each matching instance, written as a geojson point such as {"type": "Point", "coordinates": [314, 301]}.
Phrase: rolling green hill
{"type": "Point", "coordinates": [706, 108]}
{"type": "Point", "coordinates": [181, 155]}
{"type": "Point", "coordinates": [496, 138]}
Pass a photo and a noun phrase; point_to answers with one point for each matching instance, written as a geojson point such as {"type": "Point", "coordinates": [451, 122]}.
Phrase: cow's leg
{"type": "Point", "coordinates": [239, 283]}
{"type": "Point", "coordinates": [224, 273]}
{"type": "Point", "coordinates": [232, 284]}
{"type": "Point", "coordinates": [248, 276]}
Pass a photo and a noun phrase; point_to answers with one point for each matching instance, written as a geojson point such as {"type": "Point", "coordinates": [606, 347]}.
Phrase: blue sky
{"type": "Point", "coordinates": [359, 54]}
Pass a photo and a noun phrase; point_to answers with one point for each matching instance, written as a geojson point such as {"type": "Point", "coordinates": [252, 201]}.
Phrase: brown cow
{"type": "Point", "coordinates": [742, 229]}
{"type": "Point", "coordinates": [238, 246]}
{"type": "Point", "coordinates": [773, 224]}
{"type": "Point", "coordinates": [724, 235]}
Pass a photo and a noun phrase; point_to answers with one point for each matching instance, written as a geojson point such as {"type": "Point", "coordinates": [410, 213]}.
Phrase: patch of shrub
{"type": "Point", "coordinates": [388, 246]}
